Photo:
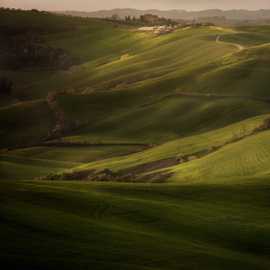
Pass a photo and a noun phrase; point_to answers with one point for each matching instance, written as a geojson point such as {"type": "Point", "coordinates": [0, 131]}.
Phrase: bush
{"type": "Point", "coordinates": [5, 86]}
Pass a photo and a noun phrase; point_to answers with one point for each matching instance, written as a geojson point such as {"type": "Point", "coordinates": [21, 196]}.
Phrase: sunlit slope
{"type": "Point", "coordinates": [244, 73]}
{"type": "Point", "coordinates": [96, 43]}
{"type": "Point", "coordinates": [126, 86]}
{"type": "Point", "coordinates": [130, 87]}
{"type": "Point", "coordinates": [120, 57]}
{"type": "Point", "coordinates": [240, 161]}
{"type": "Point", "coordinates": [187, 61]}
{"type": "Point", "coordinates": [169, 59]}
{"type": "Point", "coordinates": [134, 226]}
{"type": "Point", "coordinates": [187, 146]}
{"type": "Point", "coordinates": [119, 157]}
{"type": "Point", "coordinates": [35, 162]}
{"type": "Point", "coordinates": [232, 86]}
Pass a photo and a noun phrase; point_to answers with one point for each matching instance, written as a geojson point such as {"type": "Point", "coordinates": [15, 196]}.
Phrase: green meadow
{"type": "Point", "coordinates": [152, 154]}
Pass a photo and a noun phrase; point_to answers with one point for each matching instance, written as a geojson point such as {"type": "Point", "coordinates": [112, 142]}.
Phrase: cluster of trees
{"type": "Point", "coordinates": [22, 44]}
{"type": "Point", "coordinates": [16, 21]}
{"type": "Point", "coordinates": [29, 50]}
{"type": "Point", "coordinates": [143, 20]}
{"type": "Point", "coordinates": [154, 20]}
{"type": "Point", "coordinates": [39, 55]}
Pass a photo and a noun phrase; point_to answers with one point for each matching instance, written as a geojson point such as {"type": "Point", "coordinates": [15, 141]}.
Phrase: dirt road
{"type": "Point", "coordinates": [239, 47]}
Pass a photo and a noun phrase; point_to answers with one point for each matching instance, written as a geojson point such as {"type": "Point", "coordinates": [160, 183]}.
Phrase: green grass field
{"type": "Point", "coordinates": [48, 225]}
{"type": "Point", "coordinates": [193, 105]}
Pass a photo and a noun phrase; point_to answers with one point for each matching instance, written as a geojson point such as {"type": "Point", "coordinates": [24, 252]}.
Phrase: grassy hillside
{"type": "Point", "coordinates": [125, 75]}
{"type": "Point", "coordinates": [35, 162]}
{"type": "Point", "coordinates": [245, 159]}
{"type": "Point", "coordinates": [186, 114]}
{"type": "Point", "coordinates": [131, 89]}
{"type": "Point", "coordinates": [134, 226]}
{"type": "Point", "coordinates": [19, 168]}
{"type": "Point", "coordinates": [25, 123]}
{"type": "Point", "coordinates": [188, 146]}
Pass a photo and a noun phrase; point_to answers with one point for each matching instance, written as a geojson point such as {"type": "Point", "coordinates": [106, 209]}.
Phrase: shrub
{"type": "Point", "coordinates": [5, 86]}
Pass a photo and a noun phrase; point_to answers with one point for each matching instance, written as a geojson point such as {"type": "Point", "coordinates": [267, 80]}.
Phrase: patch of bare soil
{"type": "Point", "coordinates": [108, 176]}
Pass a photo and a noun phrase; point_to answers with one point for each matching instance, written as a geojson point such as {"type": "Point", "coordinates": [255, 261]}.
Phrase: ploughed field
{"type": "Point", "coordinates": [121, 149]}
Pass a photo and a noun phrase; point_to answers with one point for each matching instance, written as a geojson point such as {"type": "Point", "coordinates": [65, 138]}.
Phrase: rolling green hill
{"type": "Point", "coordinates": [176, 127]}
{"type": "Point", "coordinates": [245, 159]}
{"type": "Point", "coordinates": [140, 74]}
{"type": "Point", "coordinates": [188, 146]}
{"type": "Point", "coordinates": [75, 226]}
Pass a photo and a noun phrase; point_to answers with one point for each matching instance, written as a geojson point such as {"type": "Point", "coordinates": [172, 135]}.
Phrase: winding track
{"type": "Point", "coordinates": [239, 47]}
{"type": "Point", "coordinates": [217, 96]}
{"type": "Point", "coordinates": [207, 95]}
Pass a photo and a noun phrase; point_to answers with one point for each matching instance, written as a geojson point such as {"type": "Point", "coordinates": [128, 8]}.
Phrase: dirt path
{"type": "Point", "coordinates": [206, 95]}
{"type": "Point", "coordinates": [239, 47]}
{"type": "Point", "coordinates": [220, 96]}
{"type": "Point", "coordinates": [59, 143]}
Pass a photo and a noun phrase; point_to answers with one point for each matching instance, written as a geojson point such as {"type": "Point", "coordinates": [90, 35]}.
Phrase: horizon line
{"type": "Point", "coordinates": [137, 9]}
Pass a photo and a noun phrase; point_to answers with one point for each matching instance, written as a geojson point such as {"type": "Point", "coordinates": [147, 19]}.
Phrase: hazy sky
{"type": "Point", "coordinates": [87, 5]}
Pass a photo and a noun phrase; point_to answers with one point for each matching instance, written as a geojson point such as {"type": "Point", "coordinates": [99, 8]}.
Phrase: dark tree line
{"type": "Point", "coordinates": [146, 19]}
{"type": "Point", "coordinates": [30, 51]}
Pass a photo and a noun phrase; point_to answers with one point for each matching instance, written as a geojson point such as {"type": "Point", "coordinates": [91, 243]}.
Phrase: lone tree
{"type": "Point", "coordinates": [5, 86]}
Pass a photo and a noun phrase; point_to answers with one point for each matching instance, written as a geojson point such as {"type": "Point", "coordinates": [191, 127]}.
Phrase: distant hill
{"type": "Point", "coordinates": [179, 14]}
